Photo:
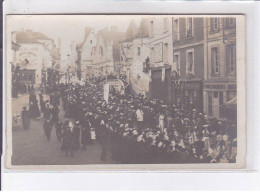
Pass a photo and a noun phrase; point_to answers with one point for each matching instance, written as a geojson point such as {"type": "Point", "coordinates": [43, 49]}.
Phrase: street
{"type": "Point", "coordinates": [31, 148]}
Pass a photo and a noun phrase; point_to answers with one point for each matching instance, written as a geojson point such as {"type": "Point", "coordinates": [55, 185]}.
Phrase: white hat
{"type": "Point", "coordinates": [166, 137]}
{"type": "Point", "coordinates": [173, 143]}
{"type": "Point", "coordinates": [70, 124]}
{"type": "Point", "coordinates": [135, 132]}
{"type": "Point", "coordinates": [139, 138]}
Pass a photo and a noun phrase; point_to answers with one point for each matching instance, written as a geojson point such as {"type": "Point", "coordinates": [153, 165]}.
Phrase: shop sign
{"type": "Point", "coordinates": [232, 86]}
{"type": "Point", "coordinates": [215, 86]}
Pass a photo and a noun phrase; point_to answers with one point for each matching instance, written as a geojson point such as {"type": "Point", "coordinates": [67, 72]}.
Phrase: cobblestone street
{"type": "Point", "coordinates": [31, 148]}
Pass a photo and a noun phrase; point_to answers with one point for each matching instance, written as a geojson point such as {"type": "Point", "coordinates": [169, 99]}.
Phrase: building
{"type": "Point", "coordinates": [126, 51]}
{"type": "Point", "coordinates": [147, 52]}
{"type": "Point", "coordinates": [85, 51]}
{"type": "Point", "coordinates": [161, 57]}
{"type": "Point", "coordinates": [99, 53]}
{"type": "Point", "coordinates": [36, 53]}
{"type": "Point", "coordinates": [160, 34]}
{"type": "Point", "coordinates": [219, 87]}
{"type": "Point", "coordinates": [139, 77]}
{"type": "Point", "coordinates": [106, 57]}
{"type": "Point", "coordinates": [188, 61]}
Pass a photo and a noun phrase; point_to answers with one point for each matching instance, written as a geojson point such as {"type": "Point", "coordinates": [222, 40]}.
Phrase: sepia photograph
{"type": "Point", "coordinates": [125, 91]}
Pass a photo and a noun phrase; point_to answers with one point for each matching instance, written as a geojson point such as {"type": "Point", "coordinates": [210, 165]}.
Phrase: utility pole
{"type": "Point", "coordinates": [68, 70]}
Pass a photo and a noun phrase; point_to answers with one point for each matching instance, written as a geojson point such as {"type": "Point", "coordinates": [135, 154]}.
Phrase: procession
{"type": "Point", "coordinates": [131, 94]}
{"type": "Point", "coordinates": [134, 129]}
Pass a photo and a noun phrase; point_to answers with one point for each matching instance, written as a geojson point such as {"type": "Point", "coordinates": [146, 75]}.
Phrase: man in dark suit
{"type": "Point", "coordinates": [25, 119]}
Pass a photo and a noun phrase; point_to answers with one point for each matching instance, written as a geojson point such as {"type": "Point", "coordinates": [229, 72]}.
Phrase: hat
{"type": "Point", "coordinates": [135, 132]}
{"type": "Point", "coordinates": [70, 124]}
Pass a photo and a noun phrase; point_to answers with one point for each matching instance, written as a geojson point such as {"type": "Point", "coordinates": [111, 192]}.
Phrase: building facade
{"type": "Point", "coordinates": [160, 34]}
{"type": "Point", "coordinates": [99, 53]}
{"type": "Point", "coordinates": [139, 77]}
{"type": "Point", "coordinates": [85, 52]}
{"type": "Point", "coordinates": [36, 53]}
{"type": "Point", "coordinates": [188, 61]}
{"type": "Point", "coordinates": [126, 50]}
{"type": "Point", "coordinates": [219, 86]}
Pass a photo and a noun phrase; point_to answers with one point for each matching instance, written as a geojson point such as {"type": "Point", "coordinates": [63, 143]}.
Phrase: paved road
{"type": "Point", "coordinates": [31, 148]}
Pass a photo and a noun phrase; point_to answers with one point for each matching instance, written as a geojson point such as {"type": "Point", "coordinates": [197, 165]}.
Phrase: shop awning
{"type": "Point", "coordinates": [229, 109]}
{"type": "Point", "coordinates": [232, 104]}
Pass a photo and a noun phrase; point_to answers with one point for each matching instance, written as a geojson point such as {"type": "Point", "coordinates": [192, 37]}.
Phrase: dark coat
{"type": "Point", "coordinates": [47, 126]}
{"type": "Point", "coordinates": [25, 119]}
{"type": "Point", "coordinates": [55, 114]}
{"type": "Point", "coordinates": [34, 109]}
{"type": "Point", "coordinates": [67, 142]}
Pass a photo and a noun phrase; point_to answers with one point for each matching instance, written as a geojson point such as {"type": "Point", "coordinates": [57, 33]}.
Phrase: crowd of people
{"type": "Point", "coordinates": [134, 128]}
{"type": "Point", "coordinates": [137, 129]}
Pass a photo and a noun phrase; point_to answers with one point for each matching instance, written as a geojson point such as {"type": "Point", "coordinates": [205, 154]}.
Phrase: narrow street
{"type": "Point", "coordinates": [31, 148]}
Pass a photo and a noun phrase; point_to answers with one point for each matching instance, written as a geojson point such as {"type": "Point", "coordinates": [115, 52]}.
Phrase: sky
{"type": "Point", "coordinates": [68, 27]}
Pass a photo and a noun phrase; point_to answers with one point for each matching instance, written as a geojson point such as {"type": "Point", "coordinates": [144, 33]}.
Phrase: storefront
{"type": "Point", "coordinates": [160, 83]}
{"type": "Point", "coordinates": [216, 95]}
{"type": "Point", "coordinates": [27, 76]}
{"type": "Point", "coordinates": [187, 94]}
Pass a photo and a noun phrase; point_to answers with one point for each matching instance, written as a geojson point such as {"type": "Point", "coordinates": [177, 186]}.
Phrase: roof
{"type": "Point", "coordinates": [143, 29]}
{"type": "Point", "coordinates": [131, 31]}
{"type": "Point", "coordinates": [29, 36]}
{"type": "Point", "coordinates": [87, 32]}
{"type": "Point", "coordinates": [114, 36]}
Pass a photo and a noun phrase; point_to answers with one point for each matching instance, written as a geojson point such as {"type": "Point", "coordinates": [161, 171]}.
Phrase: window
{"type": "Point", "coordinates": [165, 53]}
{"type": "Point", "coordinates": [176, 60]}
{"type": "Point", "coordinates": [151, 27]}
{"type": "Point", "coordinates": [138, 51]}
{"type": "Point", "coordinates": [215, 94]}
{"type": "Point", "coordinates": [165, 25]}
{"type": "Point", "coordinates": [176, 34]}
{"type": "Point", "coordinates": [231, 59]}
{"type": "Point", "coordinates": [215, 61]}
{"type": "Point", "coordinates": [214, 24]}
{"type": "Point", "coordinates": [230, 21]}
{"type": "Point", "coordinates": [189, 27]}
{"type": "Point", "coordinates": [189, 63]}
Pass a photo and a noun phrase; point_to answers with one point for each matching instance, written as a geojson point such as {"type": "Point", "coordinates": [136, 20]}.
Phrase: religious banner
{"type": "Point", "coordinates": [106, 92]}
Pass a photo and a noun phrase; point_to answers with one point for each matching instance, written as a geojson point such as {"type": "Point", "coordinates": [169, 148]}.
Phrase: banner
{"type": "Point", "coordinates": [106, 92]}
{"type": "Point", "coordinates": [163, 74]}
